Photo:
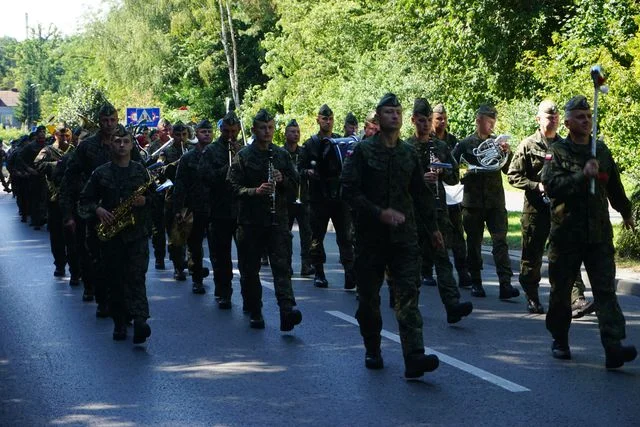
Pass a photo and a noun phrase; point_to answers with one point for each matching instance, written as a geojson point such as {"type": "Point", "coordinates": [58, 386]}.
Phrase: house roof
{"type": "Point", "coordinates": [9, 98]}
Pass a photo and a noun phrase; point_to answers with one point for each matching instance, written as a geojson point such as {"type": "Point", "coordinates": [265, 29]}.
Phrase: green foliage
{"type": "Point", "coordinates": [628, 244]}
{"type": "Point", "coordinates": [28, 110]}
{"type": "Point", "coordinates": [9, 134]}
{"type": "Point", "coordinates": [81, 108]}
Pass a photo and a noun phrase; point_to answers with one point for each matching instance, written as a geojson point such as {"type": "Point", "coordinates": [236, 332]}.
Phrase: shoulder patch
{"type": "Point", "coordinates": [548, 157]}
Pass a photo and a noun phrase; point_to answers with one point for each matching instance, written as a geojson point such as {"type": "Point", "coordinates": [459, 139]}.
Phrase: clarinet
{"type": "Point", "coordinates": [434, 159]}
{"type": "Point", "coordinates": [271, 180]}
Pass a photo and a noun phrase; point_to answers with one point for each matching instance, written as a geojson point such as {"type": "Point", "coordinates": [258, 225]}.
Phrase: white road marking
{"type": "Point", "coordinates": [480, 373]}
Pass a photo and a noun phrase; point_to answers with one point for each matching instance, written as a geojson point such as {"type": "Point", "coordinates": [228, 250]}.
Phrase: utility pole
{"type": "Point", "coordinates": [26, 25]}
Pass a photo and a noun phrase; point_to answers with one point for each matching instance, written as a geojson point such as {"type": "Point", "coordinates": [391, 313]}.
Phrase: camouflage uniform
{"type": "Point", "coordinates": [483, 202]}
{"type": "Point", "coordinates": [126, 256]}
{"type": "Point", "coordinates": [213, 168]}
{"type": "Point", "coordinates": [581, 232]}
{"type": "Point", "coordinates": [18, 180]}
{"type": "Point", "coordinates": [170, 156]}
{"type": "Point", "coordinates": [375, 178]}
{"type": "Point", "coordinates": [256, 228]}
{"type": "Point", "coordinates": [36, 184]}
{"type": "Point", "coordinates": [326, 202]}
{"type": "Point", "coordinates": [446, 282]}
{"type": "Point", "coordinates": [300, 212]}
{"type": "Point", "coordinates": [49, 163]}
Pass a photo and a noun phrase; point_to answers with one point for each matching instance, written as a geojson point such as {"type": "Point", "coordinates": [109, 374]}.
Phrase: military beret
{"type": "Point", "coordinates": [350, 119]}
{"type": "Point", "coordinates": [263, 116]}
{"type": "Point", "coordinates": [292, 123]}
{"type": "Point", "coordinates": [421, 106]}
{"type": "Point", "coordinates": [325, 111]}
{"type": "Point", "coordinates": [578, 102]}
{"type": "Point", "coordinates": [547, 107]}
{"type": "Point", "coordinates": [231, 118]}
{"type": "Point", "coordinates": [389, 100]}
{"type": "Point", "coordinates": [204, 124]}
{"type": "Point", "coordinates": [439, 108]}
{"type": "Point", "coordinates": [487, 110]}
{"type": "Point", "coordinates": [41, 128]}
{"type": "Point", "coordinates": [372, 117]}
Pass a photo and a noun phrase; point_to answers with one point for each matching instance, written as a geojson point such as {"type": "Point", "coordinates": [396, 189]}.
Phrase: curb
{"type": "Point", "coordinates": [625, 286]}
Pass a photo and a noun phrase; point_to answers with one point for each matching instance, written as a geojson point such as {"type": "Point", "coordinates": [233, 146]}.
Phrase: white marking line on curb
{"type": "Point", "coordinates": [480, 373]}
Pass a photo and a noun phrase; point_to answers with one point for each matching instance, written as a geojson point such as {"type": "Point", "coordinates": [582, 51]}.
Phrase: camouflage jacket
{"type": "Point", "coordinates": [443, 155]}
{"type": "Point", "coordinates": [108, 187]}
{"type": "Point", "coordinates": [577, 216]}
{"type": "Point", "coordinates": [248, 171]}
{"type": "Point", "coordinates": [213, 168]}
{"type": "Point", "coordinates": [481, 189]}
{"type": "Point", "coordinates": [375, 178]}
{"type": "Point", "coordinates": [526, 169]}
{"type": "Point", "coordinates": [170, 156]}
{"type": "Point", "coordinates": [28, 154]}
{"type": "Point", "coordinates": [327, 168]}
{"type": "Point", "coordinates": [189, 191]}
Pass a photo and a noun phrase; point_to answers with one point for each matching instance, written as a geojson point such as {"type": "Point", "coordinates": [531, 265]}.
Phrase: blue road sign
{"type": "Point", "coordinates": [149, 116]}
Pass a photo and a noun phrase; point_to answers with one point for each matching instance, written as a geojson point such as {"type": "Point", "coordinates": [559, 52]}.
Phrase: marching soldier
{"type": "Point", "coordinates": [350, 125]}
{"type": "Point", "coordinates": [320, 164]}
{"type": "Point", "coordinates": [525, 173]}
{"type": "Point", "coordinates": [158, 236]}
{"type": "Point", "coordinates": [37, 186]}
{"type": "Point", "coordinates": [371, 125]}
{"type": "Point", "coordinates": [431, 150]}
{"type": "Point", "coordinates": [383, 182]}
{"type": "Point", "coordinates": [190, 192]}
{"type": "Point", "coordinates": [213, 168]}
{"type": "Point", "coordinates": [261, 176]}
{"type": "Point", "coordinates": [455, 239]}
{"type": "Point", "coordinates": [126, 254]}
{"type": "Point", "coordinates": [483, 203]}
{"type": "Point", "coordinates": [581, 232]}
{"type": "Point", "coordinates": [298, 200]}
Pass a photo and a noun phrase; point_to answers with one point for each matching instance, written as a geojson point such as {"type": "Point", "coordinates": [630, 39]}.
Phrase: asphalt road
{"type": "Point", "coordinates": [204, 366]}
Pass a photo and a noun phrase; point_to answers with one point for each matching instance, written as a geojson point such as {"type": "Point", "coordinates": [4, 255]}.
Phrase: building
{"type": "Point", "coordinates": [8, 104]}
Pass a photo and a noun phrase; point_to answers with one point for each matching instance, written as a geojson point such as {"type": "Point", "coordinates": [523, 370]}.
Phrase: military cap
{"type": "Point", "coordinates": [372, 117]}
{"type": "Point", "coordinates": [292, 123]}
{"type": "Point", "coordinates": [121, 131]}
{"type": "Point", "coordinates": [421, 106]}
{"type": "Point", "coordinates": [263, 116]}
{"type": "Point", "coordinates": [389, 100]}
{"type": "Point", "coordinates": [439, 108]}
{"type": "Point", "coordinates": [179, 126]}
{"type": "Point", "coordinates": [41, 128]}
{"type": "Point", "coordinates": [204, 124]}
{"type": "Point", "coordinates": [107, 110]}
{"type": "Point", "coordinates": [547, 107]}
{"type": "Point", "coordinates": [487, 110]}
{"type": "Point", "coordinates": [578, 102]}
{"type": "Point", "coordinates": [230, 118]}
{"type": "Point", "coordinates": [325, 111]}
{"type": "Point", "coordinates": [351, 119]}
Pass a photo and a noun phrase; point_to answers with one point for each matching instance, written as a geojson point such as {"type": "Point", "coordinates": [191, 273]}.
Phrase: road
{"type": "Point", "coordinates": [204, 366]}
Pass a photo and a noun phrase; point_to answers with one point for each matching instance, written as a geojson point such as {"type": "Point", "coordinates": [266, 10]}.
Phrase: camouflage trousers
{"type": "Point", "coordinates": [564, 264]}
{"type": "Point", "coordinates": [126, 266]}
{"type": "Point", "coordinates": [402, 259]}
{"type": "Point", "coordinates": [252, 241]}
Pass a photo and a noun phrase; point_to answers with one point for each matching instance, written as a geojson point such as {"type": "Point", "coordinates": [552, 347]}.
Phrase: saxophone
{"type": "Point", "coordinates": [123, 215]}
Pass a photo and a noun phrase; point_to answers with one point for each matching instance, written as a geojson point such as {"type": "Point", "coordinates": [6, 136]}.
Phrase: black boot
{"type": "Point", "coordinates": [619, 354]}
{"type": "Point", "coordinates": [289, 318]}
{"type": "Point", "coordinates": [119, 328]}
{"type": "Point", "coordinates": [464, 279]}
{"type": "Point", "coordinates": [307, 269]}
{"type": "Point", "coordinates": [179, 275]}
{"type": "Point", "coordinates": [141, 330]}
{"type": "Point", "coordinates": [428, 281]}
{"type": "Point", "coordinates": [477, 290]}
{"type": "Point", "coordinates": [534, 306]}
{"type": "Point", "coordinates": [320, 280]}
{"type": "Point", "coordinates": [373, 360]}
{"type": "Point", "coordinates": [560, 349]}
{"type": "Point", "coordinates": [417, 364]}
{"type": "Point", "coordinates": [256, 321]}
{"type": "Point", "coordinates": [349, 280]}
{"type": "Point", "coordinates": [507, 291]}
{"type": "Point", "coordinates": [456, 312]}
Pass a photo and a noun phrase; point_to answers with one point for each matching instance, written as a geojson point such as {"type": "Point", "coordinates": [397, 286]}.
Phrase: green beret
{"type": "Point", "coordinates": [231, 118]}
{"type": "Point", "coordinates": [325, 111]}
{"type": "Point", "coordinates": [421, 106]}
{"type": "Point", "coordinates": [351, 119]}
{"type": "Point", "coordinates": [487, 110]}
{"type": "Point", "coordinates": [292, 123]}
{"type": "Point", "coordinates": [578, 102]}
{"type": "Point", "coordinates": [389, 100]}
{"type": "Point", "coordinates": [439, 108]}
{"type": "Point", "coordinates": [263, 116]}
{"type": "Point", "coordinates": [204, 124]}
{"type": "Point", "coordinates": [547, 107]}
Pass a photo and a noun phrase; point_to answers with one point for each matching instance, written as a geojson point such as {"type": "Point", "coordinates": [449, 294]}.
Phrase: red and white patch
{"type": "Point", "coordinates": [548, 157]}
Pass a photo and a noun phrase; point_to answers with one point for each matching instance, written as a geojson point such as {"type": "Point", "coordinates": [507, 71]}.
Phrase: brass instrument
{"type": "Point", "coordinates": [271, 180]}
{"type": "Point", "coordinates": [123, 215]}
{"type": "Point", "coordinates": [489, 155]}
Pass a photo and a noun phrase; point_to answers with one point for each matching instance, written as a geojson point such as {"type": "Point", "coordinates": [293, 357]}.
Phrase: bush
{"type": "Point", "coordinates": [628, 244]}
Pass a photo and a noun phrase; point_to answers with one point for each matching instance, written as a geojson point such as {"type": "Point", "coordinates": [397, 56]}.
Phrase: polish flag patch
{"type": "Point", "coordinates": [548, 157]}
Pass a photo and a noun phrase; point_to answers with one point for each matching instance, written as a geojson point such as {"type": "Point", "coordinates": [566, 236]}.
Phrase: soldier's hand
{"type": "Point", "coordinates": [104, 216]}
{"type": "Point", "coordinates": [277, 175]}
{"type": "Point", "coordinates": [629, 223]}
{"type": "Point", "coordinates": [265, 189]}
{"type": "Point", "coordinates": [139, 201]}
{"type": "Point", "coordinates": [541, 187]}
{"type": "Point", "coordinates": [430, 177]}
{"type": "Point", "coordinates": [591, 168]}
{"type": "Point", "coordinates": [437, 240]}
{"type": "Point", "coordinates": [504, 146]}
{"type": "Point", "coordinates": [392, 217]}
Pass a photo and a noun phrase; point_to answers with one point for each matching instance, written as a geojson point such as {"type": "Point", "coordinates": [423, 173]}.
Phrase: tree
{"type": "Point", "coordinates": [28, 110]}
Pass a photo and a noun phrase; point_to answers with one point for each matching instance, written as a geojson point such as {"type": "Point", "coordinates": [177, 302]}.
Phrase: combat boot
{"type": "Point", "coordinates": [74, 280]}
{"type": "Point", "coordinates": [256, 321]}
{"type": "Point", "coordinates": [477, 290]}
{"type": "Point", "coordinates": [320, 280]}
{"type": "Point", "coordinates": [507, 291]}
{"type": "Point", "coordinates": [416, 365]}
{"type": "Point", "coordinates": [373, 360]}
{"type": "Point", "coordinates": [534, 306]}
{"type": "Point", "coordinates": [464, 278]}
{"type": "Point", "coordinates": [618, 355]}
{"type": "Point", "coordinates": [141, 330]}
{"type": "Point", "coordinates": [224, 303]}
{"type": "Point", "coordinates": [560, 350]}
{"type": "Point", "coordinates": [428, 281]}
{"type": "Point", "coordinates": [59, 272]}
{"type": "Point", "coordinates": [119, 331]}
{"type": "Point", "coordinates": [102, 310]}
{"type": "Point", "coordinates": [456, 312]}
{"type": "Point", "coordinates": [179, 275]}
{"type": "Point", "coordinates": [582, 307]}
{"type": "Point", "coordinates": [264, 260]}
{"type": "Point", "coordinates": [160, 264]}
{"type": "Point", "coordinates": [289, 317]}
{"type": "Point", "coordinates": [349, 280]}
{"type": "Point", "coordinates": [198, 288]}
{"type": "Point", "coordinates": [87, 295]}
{"type": "Point", "coordinates": [307, 269]}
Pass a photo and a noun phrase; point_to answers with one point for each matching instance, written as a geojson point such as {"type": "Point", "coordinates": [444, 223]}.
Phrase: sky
{"type": "Point", "coordinates": [64, 14]}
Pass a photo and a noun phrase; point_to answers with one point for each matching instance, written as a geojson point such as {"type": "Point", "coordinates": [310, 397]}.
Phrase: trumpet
{"type": "Point", "coordinates": [489, 155]}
